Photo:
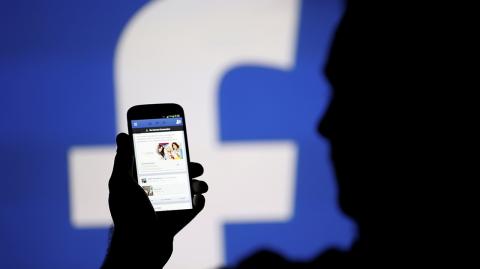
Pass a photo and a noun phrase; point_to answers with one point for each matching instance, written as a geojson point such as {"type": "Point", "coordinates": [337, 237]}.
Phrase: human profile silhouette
{"type": "Point", "coordinates": [360, 74]}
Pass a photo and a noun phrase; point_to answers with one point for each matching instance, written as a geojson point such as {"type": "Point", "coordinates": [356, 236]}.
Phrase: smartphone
{"type": "Point", "coordinates": [160, 146]}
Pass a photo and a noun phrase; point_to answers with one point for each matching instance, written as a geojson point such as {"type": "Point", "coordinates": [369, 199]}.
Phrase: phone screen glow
{"type": "Point", "coordinates": [161, 162]}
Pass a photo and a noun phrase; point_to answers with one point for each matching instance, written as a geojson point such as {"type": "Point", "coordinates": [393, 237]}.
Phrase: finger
{"type": "Point", "coordinates": [199, 187]}
{"type": "Point", "coordinates": [198, 203]}
{"type": "Point", "coordinates": [195, 169]}
{"type": "Point", "coordinates": [121, 179]}
{"type": "Point", "coordinates": [124, 158]}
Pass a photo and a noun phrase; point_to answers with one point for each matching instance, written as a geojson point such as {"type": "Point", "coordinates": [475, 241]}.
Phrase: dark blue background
{"type": "Point", "coordinates": [56, 81]}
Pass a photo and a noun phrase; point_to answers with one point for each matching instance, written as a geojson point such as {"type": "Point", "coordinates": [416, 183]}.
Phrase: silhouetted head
{"type": "Point", "coordinates": [352, 121]}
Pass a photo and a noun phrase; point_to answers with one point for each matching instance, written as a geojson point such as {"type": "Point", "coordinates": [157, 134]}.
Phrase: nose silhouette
{"type": "Point", "coordinates": [325, 125]}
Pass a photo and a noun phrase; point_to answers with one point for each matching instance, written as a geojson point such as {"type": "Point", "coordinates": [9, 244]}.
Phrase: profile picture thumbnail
{"type": "Point", "coordinates": [170, 151]}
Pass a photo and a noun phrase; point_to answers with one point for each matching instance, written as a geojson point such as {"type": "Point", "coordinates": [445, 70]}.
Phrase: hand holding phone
{"type": "Point", "coordinates": [142, 235]}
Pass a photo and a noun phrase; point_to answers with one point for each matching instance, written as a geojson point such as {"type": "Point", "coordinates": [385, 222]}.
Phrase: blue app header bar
{"type": "Point", "coordinates": [150, 123]}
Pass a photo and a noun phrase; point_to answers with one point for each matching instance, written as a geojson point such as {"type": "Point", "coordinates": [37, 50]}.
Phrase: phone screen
{"type": "Point", "coordinates": [161, 161]}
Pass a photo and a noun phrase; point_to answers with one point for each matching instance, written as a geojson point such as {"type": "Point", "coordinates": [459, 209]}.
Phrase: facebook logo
{"type": "Point", "coordinates": [249, 76]}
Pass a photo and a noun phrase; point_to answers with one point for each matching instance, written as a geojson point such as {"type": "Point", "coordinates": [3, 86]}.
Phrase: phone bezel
{"type": "Point", "coordinates": [153, 111]}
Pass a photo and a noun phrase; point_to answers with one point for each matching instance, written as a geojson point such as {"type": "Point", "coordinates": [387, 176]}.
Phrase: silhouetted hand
{"type": "Point", "coordinates": [142, 237]}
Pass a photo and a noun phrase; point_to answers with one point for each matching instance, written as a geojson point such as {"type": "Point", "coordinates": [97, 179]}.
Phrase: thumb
{"type": "Point", "coordinates": [123, 159]}
{"type": "Point", "coordinates": [129, 205]}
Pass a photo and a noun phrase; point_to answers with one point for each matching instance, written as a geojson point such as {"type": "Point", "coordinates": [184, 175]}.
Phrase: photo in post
{"type": "Point", "coordinates": [170, 151]}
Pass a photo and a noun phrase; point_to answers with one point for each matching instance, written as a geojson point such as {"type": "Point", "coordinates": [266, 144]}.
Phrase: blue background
{"type": "Point", "coordinates": [56, 81]}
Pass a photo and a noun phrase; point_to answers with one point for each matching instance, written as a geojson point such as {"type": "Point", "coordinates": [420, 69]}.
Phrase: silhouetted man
{"type": "Point", "coordinates": [371, 67]}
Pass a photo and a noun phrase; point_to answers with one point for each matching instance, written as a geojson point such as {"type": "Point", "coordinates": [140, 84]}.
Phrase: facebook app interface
{"type": "Point", "coordinates": [161, 160]}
